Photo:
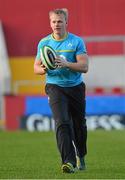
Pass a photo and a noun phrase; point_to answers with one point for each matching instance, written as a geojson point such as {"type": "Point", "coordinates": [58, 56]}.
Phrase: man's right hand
{"type": "Point", "coordinates": [39, 68]}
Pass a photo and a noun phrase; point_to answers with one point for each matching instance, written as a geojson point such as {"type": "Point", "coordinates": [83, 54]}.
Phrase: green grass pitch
{"type": "Point", "coordinates": [26, 155]}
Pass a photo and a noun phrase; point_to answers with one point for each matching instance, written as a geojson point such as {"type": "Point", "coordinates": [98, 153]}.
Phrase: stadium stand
{"type": "Point", "coordinates": [101, 25]}
{"type": "Point", "coordinates": [97, 25]}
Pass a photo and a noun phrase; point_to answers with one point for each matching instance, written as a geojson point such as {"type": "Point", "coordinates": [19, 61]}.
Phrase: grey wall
{"type": "Point", "coordinates": [106, 71]}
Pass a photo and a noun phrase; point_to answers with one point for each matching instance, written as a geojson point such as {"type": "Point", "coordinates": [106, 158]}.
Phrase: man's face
{"type": "Point", "coordinates": [58, 23]}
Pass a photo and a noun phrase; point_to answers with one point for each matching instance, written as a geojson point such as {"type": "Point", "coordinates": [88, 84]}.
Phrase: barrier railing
{"type": "Point", "coordinates": [18, 84]}
{"type": "Point", "coordinates": [107, 39]}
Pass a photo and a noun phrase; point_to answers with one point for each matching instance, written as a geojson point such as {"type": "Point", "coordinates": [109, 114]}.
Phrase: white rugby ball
{"type": "Point", "coordinates": [48, 56]}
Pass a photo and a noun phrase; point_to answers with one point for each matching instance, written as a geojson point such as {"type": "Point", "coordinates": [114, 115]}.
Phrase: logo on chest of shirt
{"type": "Point", "coordinates": [70, 45]}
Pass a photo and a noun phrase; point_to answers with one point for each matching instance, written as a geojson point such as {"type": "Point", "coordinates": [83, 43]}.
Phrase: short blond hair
{"type": "Point", "coordinates": [63, 11]}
